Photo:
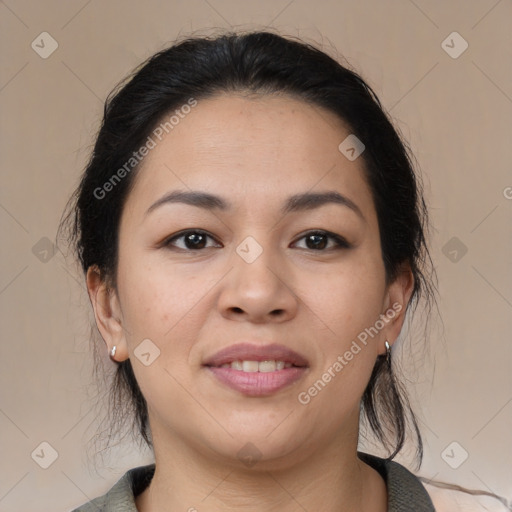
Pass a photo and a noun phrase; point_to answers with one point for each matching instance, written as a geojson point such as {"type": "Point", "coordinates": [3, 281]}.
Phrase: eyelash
{"type": "Point", "coordinates": [340, 242]}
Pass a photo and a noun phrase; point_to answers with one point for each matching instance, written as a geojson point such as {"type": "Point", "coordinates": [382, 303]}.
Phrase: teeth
{"type": "Point", "coordinates": [257, 366]}
{"type": "Point", "coordinates": [267, 366]}
{"type": "Point", "coordinates": [250, 366]}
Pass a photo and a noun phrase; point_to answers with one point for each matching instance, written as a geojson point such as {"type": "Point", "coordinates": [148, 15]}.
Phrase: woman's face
{"type": "Point", "coordinates": [284, 250]}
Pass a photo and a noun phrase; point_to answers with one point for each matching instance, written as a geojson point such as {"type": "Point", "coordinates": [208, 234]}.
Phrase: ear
{"type": "Point", "coordinates": [107, 312]}
{"type": "Point", "coordinates": [398, 295]}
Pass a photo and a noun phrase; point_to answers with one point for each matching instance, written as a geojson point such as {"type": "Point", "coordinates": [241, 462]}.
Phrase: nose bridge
{"type": "Point", "coordinates": [256, 289]}
{"type": "Point", "coordinates": [256, 264]}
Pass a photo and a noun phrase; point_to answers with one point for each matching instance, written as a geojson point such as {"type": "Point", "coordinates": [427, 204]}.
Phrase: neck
{"type": "Point", "coordinates": [187, 479]}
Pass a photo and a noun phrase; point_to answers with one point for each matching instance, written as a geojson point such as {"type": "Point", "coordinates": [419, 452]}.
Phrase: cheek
{"type": "Point", "coordinates": [163, 303]}
{"type": "Point", "coordinates": [348, 299]}
{"type": "Point", "coordinates": [347, 307]}
{"type": "Point", "coordinates": [145, 296]}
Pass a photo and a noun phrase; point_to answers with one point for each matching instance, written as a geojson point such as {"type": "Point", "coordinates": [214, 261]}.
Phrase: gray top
{"type": "Point", "coordinates": [405, 492]}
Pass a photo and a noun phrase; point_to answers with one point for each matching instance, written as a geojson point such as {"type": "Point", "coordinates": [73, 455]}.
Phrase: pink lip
{"type": "Point", "coordinates": [257, 383]}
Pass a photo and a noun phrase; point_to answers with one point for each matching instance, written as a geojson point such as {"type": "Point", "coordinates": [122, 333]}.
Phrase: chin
{"type": "Point", "coordinates": [258, 451]}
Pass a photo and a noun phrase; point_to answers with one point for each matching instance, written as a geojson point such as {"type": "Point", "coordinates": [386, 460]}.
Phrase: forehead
{"type": "Point", "coordinates": [272, 123]}
{"type": "Point", "coordinates": [260, 147]}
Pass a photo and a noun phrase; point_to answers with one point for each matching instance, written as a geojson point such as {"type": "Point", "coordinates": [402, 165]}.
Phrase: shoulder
{"type": "Point", "coordinates": [404, 488]}
{"type": "Point", "coordinates": [121, 497]}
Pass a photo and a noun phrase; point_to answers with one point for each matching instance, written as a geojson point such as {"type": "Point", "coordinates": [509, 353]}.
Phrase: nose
{"type": "Point", "coordinates": [259, 291]}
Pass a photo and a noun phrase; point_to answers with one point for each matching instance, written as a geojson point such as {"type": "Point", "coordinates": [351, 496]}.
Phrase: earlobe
{"type": "Point", "coordinates": [398, 296]}
{"type": "Point", "coordinates": [107, 312]}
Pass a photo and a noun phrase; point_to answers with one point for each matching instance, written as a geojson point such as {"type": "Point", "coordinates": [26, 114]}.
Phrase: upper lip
{"type": "Point", "coordinates": [251, 352]}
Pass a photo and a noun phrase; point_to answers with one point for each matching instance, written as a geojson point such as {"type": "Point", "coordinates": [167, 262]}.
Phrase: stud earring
{"type": "Point", "coordinates": [388, 352]}
{"type": "Point", "coordinates": [113, 353]}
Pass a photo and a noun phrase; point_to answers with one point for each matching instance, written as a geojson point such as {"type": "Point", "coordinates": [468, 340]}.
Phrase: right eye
{"type": "Point", "coordinates": [189, 240]}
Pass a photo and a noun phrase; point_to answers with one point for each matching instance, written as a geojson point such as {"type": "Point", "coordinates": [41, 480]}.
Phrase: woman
{"type": "Point", "coordinates": [252, 234]}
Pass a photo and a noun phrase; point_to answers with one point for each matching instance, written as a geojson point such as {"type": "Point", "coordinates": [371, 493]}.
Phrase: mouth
{"type": "Point", "coordinates": [250, 366]}
{"type": "Point", "coordinates": [255, 370]}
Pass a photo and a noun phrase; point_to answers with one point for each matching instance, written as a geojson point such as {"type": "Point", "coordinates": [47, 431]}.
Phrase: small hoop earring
{"type": "Point", "coordinates": [388, 352]}
{"type": "Point", "coordinates": [113, 353]}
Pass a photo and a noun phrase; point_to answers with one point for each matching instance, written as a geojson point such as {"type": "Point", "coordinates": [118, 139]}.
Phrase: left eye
{"type": "Point", "coordinates": [319, 240]}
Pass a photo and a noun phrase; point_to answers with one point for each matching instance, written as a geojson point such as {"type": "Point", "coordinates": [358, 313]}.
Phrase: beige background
{"type": "Point", "coordinates": [456, 113]}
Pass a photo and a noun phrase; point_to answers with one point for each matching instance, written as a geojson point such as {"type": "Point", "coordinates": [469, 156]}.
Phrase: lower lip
{"type": "Point", "coordinates": [258, 383]}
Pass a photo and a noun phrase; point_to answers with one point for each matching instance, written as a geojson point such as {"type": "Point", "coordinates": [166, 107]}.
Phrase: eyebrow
{"type": "Point", "coordinates": [295, 203]}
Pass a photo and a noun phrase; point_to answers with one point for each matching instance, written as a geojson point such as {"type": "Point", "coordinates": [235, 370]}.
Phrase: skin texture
{"type": "Point", "coordinates": [254, 152]}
